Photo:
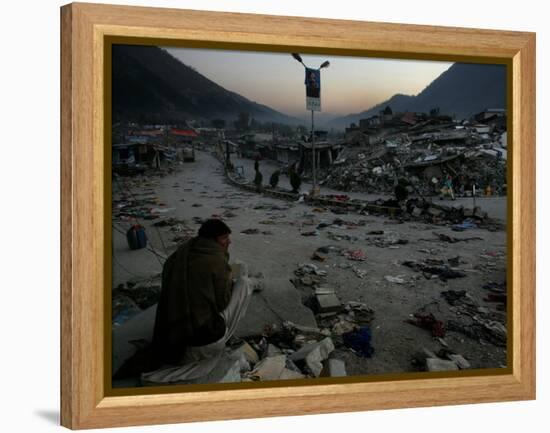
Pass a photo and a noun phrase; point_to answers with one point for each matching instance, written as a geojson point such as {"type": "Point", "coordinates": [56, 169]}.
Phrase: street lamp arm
{"type": "Point", "coordinates": [298, 58]}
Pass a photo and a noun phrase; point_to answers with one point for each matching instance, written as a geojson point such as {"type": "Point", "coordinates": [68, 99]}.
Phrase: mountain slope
{"type": "Point", "coordinates": [148, 83]}
{"type": "Point", "coordinates": [461, 91]}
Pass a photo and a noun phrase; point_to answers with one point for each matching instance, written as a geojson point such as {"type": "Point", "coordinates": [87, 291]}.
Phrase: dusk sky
{"type": "Point", "coordinates": [348, 85]}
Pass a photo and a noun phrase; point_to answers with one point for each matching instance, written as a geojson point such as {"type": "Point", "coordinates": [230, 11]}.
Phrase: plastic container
{"type": "Point", "coordinates": [137, 239]}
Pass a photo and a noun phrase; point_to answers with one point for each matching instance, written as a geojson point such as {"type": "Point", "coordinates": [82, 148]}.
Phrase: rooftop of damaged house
{"type": "Point", "coordinates": [395, 263]}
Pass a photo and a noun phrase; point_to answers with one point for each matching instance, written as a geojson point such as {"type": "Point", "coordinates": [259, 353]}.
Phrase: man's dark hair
{"type": "Point", "coordinates": [213, 228]}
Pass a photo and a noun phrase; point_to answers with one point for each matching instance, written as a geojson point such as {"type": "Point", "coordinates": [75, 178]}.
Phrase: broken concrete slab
{"type": "Point", "coordinates": [337, 368]}
{"type": "Point", "coordinates": [325, 346]}
{"type": "Point", "coordinates": [304, 329]}
{"type": "Point", "coordinates": [460, 361]}
{"type": "Point", "coordinates": [324, 291]}
{"type": "Point", "coordinates": [269, 368]}
{"type": "Point", "coordinates": [314, 354]}
{"type": "Point", "coordinates": [334, 368]}
{"type": "Point", "coordinates": [327, 302]}
{"type": "Point", "coordinates": [436, 364]}
{"type": "Point", "coordinates": [236, 367]}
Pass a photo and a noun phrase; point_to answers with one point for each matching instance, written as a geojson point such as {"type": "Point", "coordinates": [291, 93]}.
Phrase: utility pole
{"type": "Point", "coordinates": [313, 103]}
{"type": "Point", "coordinates": [314, 162]}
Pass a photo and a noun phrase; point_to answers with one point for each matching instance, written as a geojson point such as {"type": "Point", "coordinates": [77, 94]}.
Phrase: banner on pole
{"type": "Point", "coordinates": [313, 89]}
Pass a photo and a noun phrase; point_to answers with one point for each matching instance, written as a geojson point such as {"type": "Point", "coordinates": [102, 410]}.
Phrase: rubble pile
{"type": "Point", "coordinates": [361, 174]}
{"type": "Point", "coordinates": [461, 217]}
{"type": "Point", "coordinates": [289, 351]}
{"type": "Point", "coordinates": [417, 209]}
{"type": "Point", "coordinates": [292, 351]}
{"type": "Point", "coordinates": [347, 324]}
{"type": "Point", "coordinates": [471, 159]}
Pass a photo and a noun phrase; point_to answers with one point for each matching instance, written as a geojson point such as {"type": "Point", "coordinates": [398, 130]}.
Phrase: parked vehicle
{"type": "Point", "coordinates": [188, 154]}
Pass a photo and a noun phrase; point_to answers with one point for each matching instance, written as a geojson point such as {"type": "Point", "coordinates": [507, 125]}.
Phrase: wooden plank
{"type": "Point", "coordinates": [68, 397]}
{"type": "Point", "coordinates": [309, 33]}
{"type": "Point", "coordinates": [523, 303]}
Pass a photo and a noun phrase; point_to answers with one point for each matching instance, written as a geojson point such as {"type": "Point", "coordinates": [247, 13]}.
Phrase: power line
{"type": "Point", "coordinates": [124, 268]}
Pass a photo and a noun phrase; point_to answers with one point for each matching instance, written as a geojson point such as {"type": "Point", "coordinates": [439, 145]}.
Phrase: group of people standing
{"type": "Point", "coordinates": [449, 186]}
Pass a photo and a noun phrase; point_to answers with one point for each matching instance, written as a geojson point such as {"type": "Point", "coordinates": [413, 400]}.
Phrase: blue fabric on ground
{"type": "Point", "coordinates": [359, 341]}
{"type": "Point", "coordinates": [466, 224]}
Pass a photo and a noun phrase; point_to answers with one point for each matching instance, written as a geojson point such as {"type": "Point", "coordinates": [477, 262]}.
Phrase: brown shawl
{"type": "Point", "coordinates": [196, 288]}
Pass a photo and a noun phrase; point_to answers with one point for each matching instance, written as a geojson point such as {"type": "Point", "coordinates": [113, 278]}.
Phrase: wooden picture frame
{"type": "Point", "coordinates": [85, 398]}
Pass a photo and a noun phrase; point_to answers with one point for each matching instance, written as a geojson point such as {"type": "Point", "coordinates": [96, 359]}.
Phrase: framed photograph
{"type": "Point", "coordinates": [268, 215]}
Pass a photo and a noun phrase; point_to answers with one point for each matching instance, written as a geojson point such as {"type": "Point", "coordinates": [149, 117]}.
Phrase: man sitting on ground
{"type": "Point", "coordinates": [198, 311]}
{"type": "Point", "coordinates": [199, 306]}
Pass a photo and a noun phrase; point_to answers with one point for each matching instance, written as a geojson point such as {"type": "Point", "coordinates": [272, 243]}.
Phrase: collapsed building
{"type": "Point", "coordinates": [424, 151]}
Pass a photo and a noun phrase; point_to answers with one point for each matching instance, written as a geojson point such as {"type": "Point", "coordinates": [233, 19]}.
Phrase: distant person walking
{"type": "Point", "coordinates": [274, 179]}
{"type": "Point", "coordinates": [258, 179]}
{"type": "Point", "coordinates": [295, 179]}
